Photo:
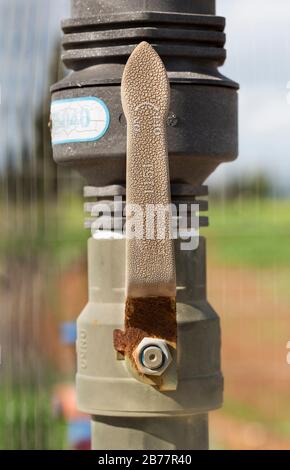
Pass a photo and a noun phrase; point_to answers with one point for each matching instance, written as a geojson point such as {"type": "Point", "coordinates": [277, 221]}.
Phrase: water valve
{"type": "Point", "coordinates": [146, 117]}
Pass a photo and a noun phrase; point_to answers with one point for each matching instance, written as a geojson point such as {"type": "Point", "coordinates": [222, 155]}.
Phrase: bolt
{"type": "Point", "coordinates": [152, 356]}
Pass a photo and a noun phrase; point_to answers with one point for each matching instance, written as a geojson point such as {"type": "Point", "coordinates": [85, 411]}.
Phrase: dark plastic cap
{"type": "Point", "coordinates": [85, 8]}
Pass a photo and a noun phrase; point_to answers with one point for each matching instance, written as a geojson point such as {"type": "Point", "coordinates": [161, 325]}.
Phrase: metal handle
{"type": "Point", "coordinates": [145, 98]}
{"type": "Point", "coordinates": [150, 261]}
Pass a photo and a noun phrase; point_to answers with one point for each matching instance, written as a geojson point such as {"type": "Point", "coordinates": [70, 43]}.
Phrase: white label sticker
{"type": "Point", "coordinates": [79, 120]}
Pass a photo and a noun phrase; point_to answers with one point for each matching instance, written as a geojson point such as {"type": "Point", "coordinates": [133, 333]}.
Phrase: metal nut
{"type": "Point", "coordinates": [152, 356]}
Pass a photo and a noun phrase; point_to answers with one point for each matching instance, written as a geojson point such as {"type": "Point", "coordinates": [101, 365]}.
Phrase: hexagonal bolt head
{"type": "Point", "coordinates": [152, 356]}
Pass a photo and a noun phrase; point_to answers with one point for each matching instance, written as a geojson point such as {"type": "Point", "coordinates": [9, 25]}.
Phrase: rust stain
{"type": "Point", "coordinates": [153, 317]}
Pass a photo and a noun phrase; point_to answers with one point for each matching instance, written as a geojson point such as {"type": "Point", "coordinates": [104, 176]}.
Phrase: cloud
{"type": "Point", "coordinates": [257, 39]}
{"type": "Point", "coordinates": [258, 44]}
{"type": "Point", "coordinates": [269, 110]}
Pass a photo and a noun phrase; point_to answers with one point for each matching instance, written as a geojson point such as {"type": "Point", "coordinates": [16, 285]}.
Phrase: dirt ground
{"type": "Point", "coordinates": [255, 330]}
{"type": "Point", "coordinates": [254, 309]}
{"type": "Point", "coordinates": [254, 306]}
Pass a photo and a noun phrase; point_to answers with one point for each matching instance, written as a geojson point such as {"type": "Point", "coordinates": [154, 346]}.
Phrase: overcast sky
{"type": "Point", "coordinates": [258, 45]}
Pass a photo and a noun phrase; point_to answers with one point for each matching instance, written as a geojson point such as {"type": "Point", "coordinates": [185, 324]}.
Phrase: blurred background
{"type": "Point", "coordinates": [43, 284]}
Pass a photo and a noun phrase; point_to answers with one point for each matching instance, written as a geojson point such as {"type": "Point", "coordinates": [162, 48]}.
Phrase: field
{"type": "Point", "coordinates": [248, 285]}
{"type": "Point", "coordinates": [249, 279]}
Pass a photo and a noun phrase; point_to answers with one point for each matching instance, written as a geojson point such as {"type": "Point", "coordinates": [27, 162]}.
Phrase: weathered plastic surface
{"type": "Point", "coordinates": [86, 8]}
{"type": "Point", "coordinates": [104, 385]}
{"type": "Point", "coordinates": [177, 433]}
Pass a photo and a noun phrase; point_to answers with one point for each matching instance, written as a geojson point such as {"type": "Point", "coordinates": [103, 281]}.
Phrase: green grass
{"type": "Point", "coordinates": [254, 234]}
{"type": "Point", "coordinates": [27, 421]}
{"type": "Point", "coordinates": [250, 233]}
{"type": "Point", "coordinates": [56, 230]}
{"type": "Point", "coordinates": [246, 413]}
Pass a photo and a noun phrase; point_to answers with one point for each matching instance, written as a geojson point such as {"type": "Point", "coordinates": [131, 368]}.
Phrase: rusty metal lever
{"type": "Point", "coordinates": [150, 312]}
